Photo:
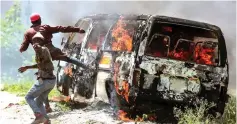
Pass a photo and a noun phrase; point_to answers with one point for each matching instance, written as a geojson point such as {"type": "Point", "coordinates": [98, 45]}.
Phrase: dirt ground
{"type": "Point", "coordinates": [11, 112]}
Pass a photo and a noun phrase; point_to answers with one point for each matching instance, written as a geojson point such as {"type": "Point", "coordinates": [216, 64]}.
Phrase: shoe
{"type": "Point", "coordinates": [48, 109]}
{"type": "Point", "coordinates": [47, 122]}
{"type": "Point", "coordinates": [39, 118]}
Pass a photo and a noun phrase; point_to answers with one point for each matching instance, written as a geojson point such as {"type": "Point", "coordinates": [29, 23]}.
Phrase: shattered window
{"type": "Point", "coordinates": [158, 45]}
{"type": "Point", "coordinates": [121, 35]}
{"type": "Point", "coordinates": [185, 43]}
{"type": "Point", "coordinates": [97, 34]}
{"type": "Point", "coordinates": [183, 50]}
{"type": "Point", "coordinates": [206, 52]}
{"type": "Point", "coordinates": [79, 37]}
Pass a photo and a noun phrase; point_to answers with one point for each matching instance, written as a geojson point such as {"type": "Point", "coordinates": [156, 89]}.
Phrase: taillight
{"type": "Point", "coordinates": [105, 61]}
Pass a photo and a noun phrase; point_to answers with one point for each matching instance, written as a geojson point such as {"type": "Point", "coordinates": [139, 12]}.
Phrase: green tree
{"type": "Point", "coordinates": [12, 30]}
{"type": "Point", "coordinates": [11, 26]}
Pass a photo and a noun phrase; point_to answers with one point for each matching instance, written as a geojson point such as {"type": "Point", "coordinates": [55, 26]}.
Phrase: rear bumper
{"type": "Point", "coordinates": [161, 97]}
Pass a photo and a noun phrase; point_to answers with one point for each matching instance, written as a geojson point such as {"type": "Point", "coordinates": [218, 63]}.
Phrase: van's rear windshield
{"type": "Point", "coordinates": [183, 43]}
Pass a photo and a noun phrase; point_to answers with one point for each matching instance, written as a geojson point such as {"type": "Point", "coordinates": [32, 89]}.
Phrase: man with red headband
{"type": "Point", "coordinates": [47, 32]}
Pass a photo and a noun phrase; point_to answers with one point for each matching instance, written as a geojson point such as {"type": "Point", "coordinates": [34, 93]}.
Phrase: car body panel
{"type": "Point", "coordinates": [135, 74]}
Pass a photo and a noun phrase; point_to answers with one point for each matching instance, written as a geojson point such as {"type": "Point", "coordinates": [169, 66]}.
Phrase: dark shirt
{"type": "Point", "coordinates": [47, 31]}
{"type": "Point", "coordinates": [44, 63]}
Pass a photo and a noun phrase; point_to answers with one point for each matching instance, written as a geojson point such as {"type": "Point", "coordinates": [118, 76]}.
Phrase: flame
{"type": "Point", "coordinates": [201, 55]}
{"type": "Point", "coordinates": [122, 115]}
{"type": "Point", "coordinates": [205, 55]}
{"type": "Point", "coordinates": [68, 70]}
{"type": "Point", "coordinates": [158, 54]}
{"type": "Point", "coordinates": [122, 39]}
{"type": "Point", "coordinates": [182, 55]}
{"type": "Point", "coordinates": [116, 69]}
{"type": "Point", "coordinates": [124, 92]}
{"type": "Point", "coordinates": [152, 118]}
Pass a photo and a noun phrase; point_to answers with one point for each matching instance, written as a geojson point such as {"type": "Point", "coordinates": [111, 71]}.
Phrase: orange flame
{"type": "Point", "coordinates": [201, 56]}
{"type": "Point", "coordinates": [122, 39]}
{"type": "Point", "coordinates": [182, 55]}
{"type": "Point", "coordinates": [122, 115]}
{"type": "Point", "coordinates": [125, 91]}
{"type": "Point", "coordinates": [125, 85]}
{"type": "Point", "coordinates": [204, 55]}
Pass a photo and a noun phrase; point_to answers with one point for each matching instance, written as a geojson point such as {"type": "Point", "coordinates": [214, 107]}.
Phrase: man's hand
{"type": "Point", "coordinates": [82, 31]}
{"type": "Point", "coordinates": [21, 50]}
{"type": "Point", "coordinates": [22, 69]}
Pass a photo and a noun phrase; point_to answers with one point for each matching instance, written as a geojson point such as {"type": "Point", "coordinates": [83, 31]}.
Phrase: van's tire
{"type": "Point", "coordinates": [218, 110]}
{"type": "Point", "coordinates": [222, 101]}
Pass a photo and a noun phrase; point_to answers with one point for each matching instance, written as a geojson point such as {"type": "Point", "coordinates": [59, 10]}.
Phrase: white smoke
{"type": "Point", "coordinates": [222, 14]}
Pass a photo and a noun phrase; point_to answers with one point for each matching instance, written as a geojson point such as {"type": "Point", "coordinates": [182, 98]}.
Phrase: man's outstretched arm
{"type": "Point", "coordinates": [25, 43]}
{"type": "Point", "coordinates": [63, 29]}
{"type": "Point", "coordinates": [32, 66]}
{"type": "Point", "coordinates": [24, 68]}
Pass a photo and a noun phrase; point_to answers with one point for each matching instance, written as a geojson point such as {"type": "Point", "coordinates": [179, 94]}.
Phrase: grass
{"type": "Point", "coordinates": [63, 106]}
{"type": "Point", "coordinates": [53, 93]}
{"type": "Point", "coordinates": [196, 115]}
{"type": "Point", "coordinates": [23, 102]}
{"type": "Point", "coordinates": [21, 87]}
{"type": "Point", "coordinates": [229, 116]}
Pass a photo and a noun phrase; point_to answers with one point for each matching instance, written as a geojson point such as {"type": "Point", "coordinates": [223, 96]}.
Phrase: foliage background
{"type": "Point", "coordinates": [12, 30]}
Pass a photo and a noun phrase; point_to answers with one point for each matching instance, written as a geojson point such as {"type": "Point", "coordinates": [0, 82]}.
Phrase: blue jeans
{"type": "Point", "coordinates": [38, 94]}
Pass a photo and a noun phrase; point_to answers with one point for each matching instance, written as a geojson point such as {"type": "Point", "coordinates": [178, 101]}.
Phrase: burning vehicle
{"type": "Point", "coordinates": [137, 58]}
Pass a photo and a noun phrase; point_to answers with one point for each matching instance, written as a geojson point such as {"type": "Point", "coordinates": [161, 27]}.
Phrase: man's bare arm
{"type": "Point", "coordinates": [24, 68]}
{"type": "Point", "coordinates": [32, 66]}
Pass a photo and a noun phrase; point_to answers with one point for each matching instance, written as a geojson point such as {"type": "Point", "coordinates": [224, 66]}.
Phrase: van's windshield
{"type": "Point", "coordinates": [98, 33]}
